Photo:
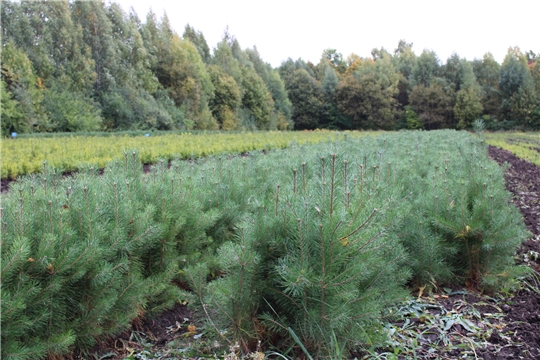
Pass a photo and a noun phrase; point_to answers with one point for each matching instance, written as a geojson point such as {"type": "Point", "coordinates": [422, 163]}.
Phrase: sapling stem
{"type": "Point", "coordinates": [115, 203]}
{"type": "Point", "coordinates": [45, 182]}
{"type": "Point", "coordinates": [332, 185]}
{"type": "Point", "coordinates": [51, 216]}
{"type": "Point", "coordinates": [277, 199]}
{"type": "Point", "coordinates": [361, 226]}
{"type": "Point", "coordinates": [361, 178]}
{"type": "Point", "coordinates": [134, 156]}
{"type": "Point", "coordinates": [294, 181]}
{"type": "Point", "coordinates": [21, 217]}
{"type": "Point", "coordinates": [323, 273]}
{"type": "Point", "coordinates": [322, 169]}
{"type": "Point", "coordinates": [304, 177]}
{"type": "Point", "coordinates": [345, 175]}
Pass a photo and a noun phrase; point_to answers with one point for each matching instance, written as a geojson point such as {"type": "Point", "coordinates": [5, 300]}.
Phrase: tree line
{"type": "Point", "coordinates": [87, 66]}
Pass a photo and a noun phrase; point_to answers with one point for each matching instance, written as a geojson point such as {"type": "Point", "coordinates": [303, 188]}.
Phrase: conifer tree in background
{"type": "Point", "coordinates": [227, 99]}
{"type": "Point", "coordinates": [468, 106]}
{"type": "Point", "coordinates": [282, 104]}
{"type": "Point", "coordinates": [331, 119]}
{"type": "Point", "coordinates": [425, 69]}
{"type": "Point", "coordinates": [197, 38]}
{"type": "Point", "coordinates": [97, 34]}
{"type": "Point", "coordinates": [404, 60]}
{"type": "Point", "coordinates": [256, 100]}
{"type": "Point", "coordinates": [487, 72]}
{"type": "Point", "coordinates": [518, 87]}
{"type": "Point", "coordinates": [280, 116]}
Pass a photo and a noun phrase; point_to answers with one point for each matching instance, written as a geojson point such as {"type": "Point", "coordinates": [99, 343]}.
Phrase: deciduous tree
{"type": "Point", "coordinates": [433, 104]}
{"type": "Point", "coordinates": [305, 94]}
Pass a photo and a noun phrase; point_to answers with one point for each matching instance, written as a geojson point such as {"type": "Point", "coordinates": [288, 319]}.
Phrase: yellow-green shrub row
{"type": "Point", "coordinates": [26, 156]}
{"type": "Point", "coordinates": [524, 145]}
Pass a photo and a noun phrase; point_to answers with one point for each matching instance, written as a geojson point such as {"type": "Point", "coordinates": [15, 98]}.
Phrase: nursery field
{"type": "Point", "coordinates": [524, 145]}
{"type": "Point", "coordinates": [26, 155]}
{"type": "Point", "coordinates": [311, 251]}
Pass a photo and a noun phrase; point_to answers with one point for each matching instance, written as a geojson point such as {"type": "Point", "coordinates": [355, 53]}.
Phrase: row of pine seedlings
{"type": "Point", "coordinates": [310, 245]}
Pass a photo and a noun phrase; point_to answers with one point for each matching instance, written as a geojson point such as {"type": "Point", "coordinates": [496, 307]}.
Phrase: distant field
{"type": "Point", "coordinates": [27, 155]}
{"type": "Point", "coordinates": [523, 145]}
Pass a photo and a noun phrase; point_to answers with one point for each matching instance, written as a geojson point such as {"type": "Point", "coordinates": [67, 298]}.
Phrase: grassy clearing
{"type": "Point", "coordinates": [524, 145]}
{"type": "Point", "coordinates": [26, 155]}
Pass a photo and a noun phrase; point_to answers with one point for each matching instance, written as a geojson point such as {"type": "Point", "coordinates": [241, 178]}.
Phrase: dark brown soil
{"type": "Point", "coordinates": [157, 331]}
{"type": "Point", "coordinates": [522, 180]}
{"type": "Point", "coordinates": [5, 184]}
{"type": "Point", "coordinates": [522, 314]}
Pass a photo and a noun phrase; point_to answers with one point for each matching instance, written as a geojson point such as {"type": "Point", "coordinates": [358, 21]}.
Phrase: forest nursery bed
{"type": "Point", "coordinates": [452, 323]}
{"type": "Point", "coordinates": [302, 251]}
{"type": "Point", "coordinates": [28, 155]}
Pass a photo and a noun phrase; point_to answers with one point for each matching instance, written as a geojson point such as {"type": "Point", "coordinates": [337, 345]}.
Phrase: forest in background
{"type": "Point", "coordinates": [88, 66]}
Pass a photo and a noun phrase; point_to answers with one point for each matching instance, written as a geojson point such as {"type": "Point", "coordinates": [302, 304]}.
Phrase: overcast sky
{"type": "Point", "coordinates": [303, 29]}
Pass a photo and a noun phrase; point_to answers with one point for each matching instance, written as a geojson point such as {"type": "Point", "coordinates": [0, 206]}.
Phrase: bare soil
{"type": "Point", "coordinates": [523, 313]}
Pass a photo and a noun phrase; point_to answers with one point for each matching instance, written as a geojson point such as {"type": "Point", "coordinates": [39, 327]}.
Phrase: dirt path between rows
{"type": "Point", "coordinates": [523, 315]}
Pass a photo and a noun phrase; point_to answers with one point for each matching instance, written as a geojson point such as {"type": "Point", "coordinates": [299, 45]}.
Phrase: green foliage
{"type": "Point", "coordinates": [433, 104]}
{"type": "Point", "coordinates": [128, 108]}
{"type": "Point", "coordinates": [461, 225]}
{"type": "Point", "coordinates": [256, 99]}
{"type": "Point", "coordinates": [412, 120]}
{"type": "Point", "coordinates": [70, 152]}
{"type": "Point", "coordinates": [11, 113]}
{"type": "Point", "coordinates": [97, 54]}
{"type": "Point", "coordinates": [518, 87]}
{"type": "Point", "coordinates": [282, 104]}
{"type": "Point", "coordinates": [227, 98]}
{"type": "Point", "coordinates": [24, 87]}
{"type": "Point", "coordinates": [425, 69]}
{"type": "Point", "coordinates": [197, 38]}
{"type": "Point", "coordinates": [315, 241]}
{"type": "Point", "coordinates": [487, 72]}
{"type": "Point", "coordinates": [107, 57]}
{"type": "Point", "coordinates": [70, 112]}
{"type": "Point", "coordinates": [315, 259]}
{"type": "Point", "coordinates": [468, 107]}
{"type": "Point", "coordinates": [368, 96]}
{"type": "Point", "coordinates": [305, 94]}
{"type": "Point", "coordinates": [329, 83]}
{"type": "Point", "coordinates": [83, 257]}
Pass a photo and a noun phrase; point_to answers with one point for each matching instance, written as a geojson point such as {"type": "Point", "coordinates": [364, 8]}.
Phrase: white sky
{"type": "Point", "coordinates": [303, 29]}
